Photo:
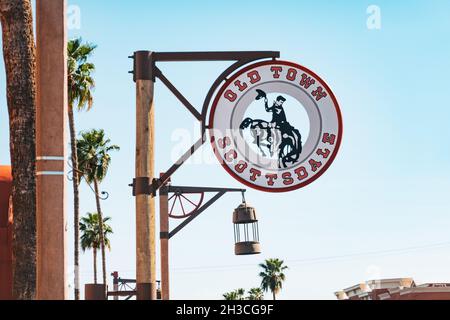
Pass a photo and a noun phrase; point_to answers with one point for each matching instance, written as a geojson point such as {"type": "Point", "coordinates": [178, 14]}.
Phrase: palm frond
{"type": "Point", "coordinates": [272, 276]}
{"type": "Point", "coordinates": [80, 81]}
{"type": "Point", "coordinates": [94, 154]}
{"type": "Point", "coordinates": [90, 232]}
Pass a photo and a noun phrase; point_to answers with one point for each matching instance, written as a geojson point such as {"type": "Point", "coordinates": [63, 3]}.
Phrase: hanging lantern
{"type": "Point", "coordinates": [246, 232]}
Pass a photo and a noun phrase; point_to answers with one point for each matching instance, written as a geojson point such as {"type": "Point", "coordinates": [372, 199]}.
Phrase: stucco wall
{"type": "Point", "coordinates": [5, 234]}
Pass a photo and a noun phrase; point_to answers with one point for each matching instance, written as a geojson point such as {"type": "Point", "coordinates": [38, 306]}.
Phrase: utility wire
{"type": "Point", "coordinates": [320, 259]}
{"type": "Point", "coordinates": [308, 261]}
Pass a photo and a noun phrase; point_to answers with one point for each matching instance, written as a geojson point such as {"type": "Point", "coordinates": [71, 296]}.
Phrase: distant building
{"type": "Point", "coordinates": [395, 289]}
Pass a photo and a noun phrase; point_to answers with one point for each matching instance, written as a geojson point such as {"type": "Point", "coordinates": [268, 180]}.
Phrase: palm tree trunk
{"type": "Point", "coordinates": [76, 201]}
{"type": "Point", "coordinates": [95, 264]}
{"type": "Point", "coordinates": [102, 240]}
{"type": "Point", "coordinates": [20, 64]}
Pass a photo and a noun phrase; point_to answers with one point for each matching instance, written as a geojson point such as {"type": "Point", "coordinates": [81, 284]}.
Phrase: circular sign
{"type": "Point", "coordinates": [275, 126]}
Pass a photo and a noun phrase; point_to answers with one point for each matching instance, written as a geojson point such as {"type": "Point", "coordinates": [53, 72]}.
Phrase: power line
{"type": "Point", "coordinates": [307, 261]}
{"type": "Point", "coordinates": [319, 259]}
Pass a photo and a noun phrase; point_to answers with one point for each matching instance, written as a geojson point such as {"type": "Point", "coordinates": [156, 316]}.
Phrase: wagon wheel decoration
{"type": "Point", "coordinates": [183, 205]}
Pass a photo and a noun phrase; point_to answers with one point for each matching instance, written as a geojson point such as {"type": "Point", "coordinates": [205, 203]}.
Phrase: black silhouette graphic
{"type": "Point", "coordinates": [277, 136]}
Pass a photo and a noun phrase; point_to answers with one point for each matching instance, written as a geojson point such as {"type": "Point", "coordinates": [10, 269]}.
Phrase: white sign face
{"type": "Point", "coordinates": [275, 126]}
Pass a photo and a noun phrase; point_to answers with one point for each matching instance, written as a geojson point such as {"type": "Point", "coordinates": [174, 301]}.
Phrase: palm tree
{"type": "Point", "coordinates": [272, 276]}
{"type": "Point", "coordinates": [237, 294]}
{"type": "Point", "coordinates": [80, 86]}
{"type": "Point", "coordinates": [255, 294]}
{"type": "Point", "coordinates": [93, 160]}
{"type": "Point", "coordinates": [90, 236]}
{"type": "Point", "coordinates": [20, 66]}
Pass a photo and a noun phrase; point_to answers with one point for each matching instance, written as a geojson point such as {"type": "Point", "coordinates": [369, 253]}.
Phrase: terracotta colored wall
{"type": "Point", "coordinates": [5, 234]}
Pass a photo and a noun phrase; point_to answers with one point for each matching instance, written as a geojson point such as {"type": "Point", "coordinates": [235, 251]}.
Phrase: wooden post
{"type": "Point", "coordinates": [145, 205]}
{"type": "Point", "coordinates": [115, 275]}
{"type": "Point", "coordinates": [164, 241]}
{"type": "Point", "coordinates": [51, 149]}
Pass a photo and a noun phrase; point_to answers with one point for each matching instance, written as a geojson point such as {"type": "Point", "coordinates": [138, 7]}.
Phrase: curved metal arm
{"type": "Point", "coordinates": [82, 175]}
{"type": "Point", "coordinates": [147, 69]}
{"type": "Point", "coordinates": [224, 75]}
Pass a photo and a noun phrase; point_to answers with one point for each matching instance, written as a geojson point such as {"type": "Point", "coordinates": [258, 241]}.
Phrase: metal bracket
{"type": "Point", "coordinates": [144, 183]}
{"type": "Point", "coordinates": [164, 235]}
{"type": "Point", "coordinates": [145, 69]}
{"type": "Point", "coordinates": [141, 186]}
{"type": "Point", "coordinates": [144, 65]}
{"type": "Point", "coordinates": [185, 189]}
{"type": "Point", "coordinates": [178, 95]}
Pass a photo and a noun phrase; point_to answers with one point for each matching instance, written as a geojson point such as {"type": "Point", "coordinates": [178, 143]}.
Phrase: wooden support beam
{"type": "Point", "coordinates": [145, 204]}
{"type": "Point", "coordinates": [164, 242]}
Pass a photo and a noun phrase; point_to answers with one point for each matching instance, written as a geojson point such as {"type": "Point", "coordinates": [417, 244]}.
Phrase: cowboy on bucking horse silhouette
{"type": "Point", "coordinates": [278, 115]}
{"type": "Point", "coordinates": [265, 133]}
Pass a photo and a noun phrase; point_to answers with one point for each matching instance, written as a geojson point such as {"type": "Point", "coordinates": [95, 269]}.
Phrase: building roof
{"type": "Point", "coordinates": [5, 174]}
{"type": "Point", "coordinates": [362, 289]}
{"type": "Point", "coordinates": [395, 289]}
{"type": "Point", "coordinates": [368, 286]}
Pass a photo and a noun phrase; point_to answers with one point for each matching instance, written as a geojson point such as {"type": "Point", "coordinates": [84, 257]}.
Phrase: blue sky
{"type": "Point", "coordinates": [382, 208]}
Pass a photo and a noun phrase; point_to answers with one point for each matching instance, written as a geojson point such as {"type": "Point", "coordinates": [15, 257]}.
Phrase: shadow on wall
{"type": "Point", "coordinates": [6, 220]}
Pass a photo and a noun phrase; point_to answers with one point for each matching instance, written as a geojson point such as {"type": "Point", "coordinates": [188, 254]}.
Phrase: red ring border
{"type": "Point", "coordinates": [290, 64]}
